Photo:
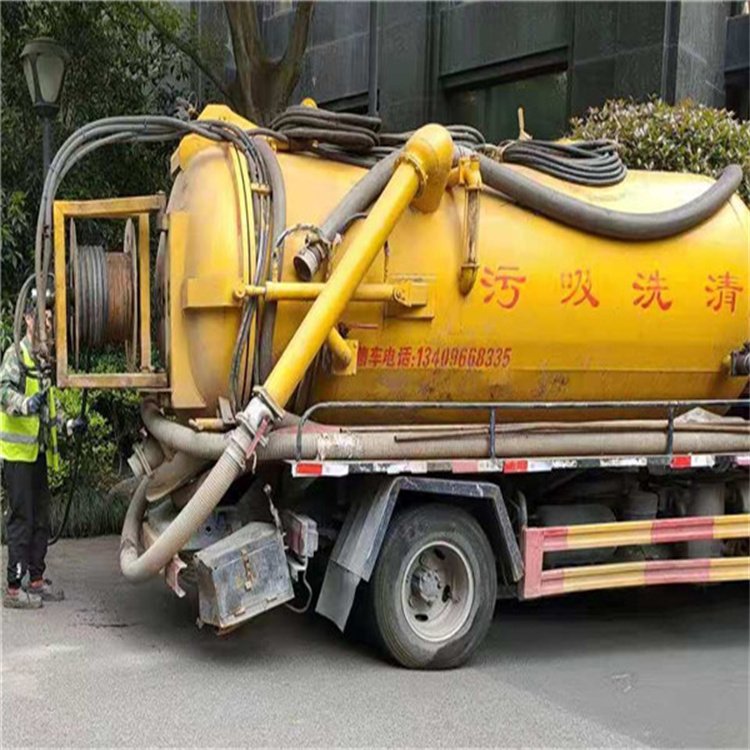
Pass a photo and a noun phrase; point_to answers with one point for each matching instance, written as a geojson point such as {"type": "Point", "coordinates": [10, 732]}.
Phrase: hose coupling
{"type": "Point", "coordinates": [739, 363]}
{"type": "Point", "coordinates": [147, 456]}
{"type": "Point", "coordinates": [416, 164]}
{"type": "Point", "coordinates": [309, 259]}
{"type": "Point", "coordinates": [276, 413]}
{"type": "Point", "coordinates": [252, 424]}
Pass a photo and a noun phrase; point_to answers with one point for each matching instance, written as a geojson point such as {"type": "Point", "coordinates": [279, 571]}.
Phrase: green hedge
{"type": "Point", "coordinates": [686, 137]}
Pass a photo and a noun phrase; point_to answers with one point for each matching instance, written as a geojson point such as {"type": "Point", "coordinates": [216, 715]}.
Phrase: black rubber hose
{"type": "Point", "coordinates": [359, 198]}
{"type": "Point", "coordinates": [76, 465]}
{"type": "Point", "coordinates": [278, 213]}
{"type": "Point", "coordinates": [462, 135]}
{"type": "Point", "coordinates": [304, 125]}
{"type": "Point", "coordinates": [603, 221]}
{"type": "Point", "coordinates": [594, 163]}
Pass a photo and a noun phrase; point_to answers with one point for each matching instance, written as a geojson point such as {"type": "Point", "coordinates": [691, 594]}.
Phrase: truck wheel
{"type": "Point", "coordinates": [433, 590]}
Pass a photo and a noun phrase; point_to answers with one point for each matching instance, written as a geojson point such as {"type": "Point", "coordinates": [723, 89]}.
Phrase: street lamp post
{"type": "Point", "coordinates": [44, 62]}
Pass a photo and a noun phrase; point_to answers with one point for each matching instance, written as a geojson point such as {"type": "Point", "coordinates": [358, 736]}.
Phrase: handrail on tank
{"type": "Point", "coordinates": [494, 406]}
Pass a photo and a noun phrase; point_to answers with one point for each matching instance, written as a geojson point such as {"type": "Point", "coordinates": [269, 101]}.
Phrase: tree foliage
{"type": "Point", "coordinates": [686, 137]}
{"type": "Point", "coordinates": [118, 65]}
{"type": "Point", "coordinates": [263, 85]}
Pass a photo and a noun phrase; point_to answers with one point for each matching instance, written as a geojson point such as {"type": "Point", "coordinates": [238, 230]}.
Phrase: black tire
{"type": "Point", "coordinates": [408, 533]}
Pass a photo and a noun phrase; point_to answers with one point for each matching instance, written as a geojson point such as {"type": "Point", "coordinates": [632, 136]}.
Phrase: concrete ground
{"type": "Point", "coordinates": [119, 665]}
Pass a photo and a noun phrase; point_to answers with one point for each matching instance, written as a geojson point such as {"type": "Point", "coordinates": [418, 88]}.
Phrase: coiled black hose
{"type": "Point", "coordinates": [303, 125]}
{"type": "Point", "coordinates": [350, 138]}
{"type": "Point", "coordinates": [593, 163]}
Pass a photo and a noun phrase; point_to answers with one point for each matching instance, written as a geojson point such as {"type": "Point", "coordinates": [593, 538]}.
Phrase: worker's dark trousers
{"type": "Point", "coordinates": [27, 524]}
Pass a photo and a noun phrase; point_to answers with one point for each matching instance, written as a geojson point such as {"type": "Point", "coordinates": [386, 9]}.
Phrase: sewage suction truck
{"type": "Point", "coordinates": [392, 378]}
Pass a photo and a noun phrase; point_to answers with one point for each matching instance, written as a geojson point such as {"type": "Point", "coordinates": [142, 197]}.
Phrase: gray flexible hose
{"type": "Point", "coordinates": [593, 163]}
{"type": "Point", "coordinates": [335, 443]}
{"type": "Point", "coordinates": [603, 221]}
{"type": "Point", "coordinates": [342, 445]}
{"type": "Point", "coordinates": [208, 445]}
{"type": "Point", "coordinates": [229, 466]}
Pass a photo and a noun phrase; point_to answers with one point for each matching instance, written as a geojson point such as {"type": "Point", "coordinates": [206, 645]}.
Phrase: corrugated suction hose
{"type": "Point", "coordinates": [229, 466]}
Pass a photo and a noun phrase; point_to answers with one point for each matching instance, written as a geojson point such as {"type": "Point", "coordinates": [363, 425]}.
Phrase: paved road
{"type": "Point", "coordinates": [121, 665]}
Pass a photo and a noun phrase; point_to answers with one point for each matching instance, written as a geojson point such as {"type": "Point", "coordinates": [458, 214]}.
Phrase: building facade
{"type": "Point", "coordinates": [477, 62]}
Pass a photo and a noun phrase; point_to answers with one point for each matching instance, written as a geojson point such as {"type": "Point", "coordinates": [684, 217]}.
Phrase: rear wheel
{"type": "Point", "coordinates": [433, 590]}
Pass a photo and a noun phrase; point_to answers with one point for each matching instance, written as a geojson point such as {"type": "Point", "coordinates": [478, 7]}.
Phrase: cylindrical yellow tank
{"type": "Point", "coordinates": [554, 314]}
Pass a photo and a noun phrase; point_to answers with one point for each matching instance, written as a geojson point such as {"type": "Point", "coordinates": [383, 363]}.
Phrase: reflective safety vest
{"type": "Point", "coordinates": [19, 435]}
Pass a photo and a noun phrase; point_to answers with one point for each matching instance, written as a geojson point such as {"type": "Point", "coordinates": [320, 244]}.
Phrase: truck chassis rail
{"type": "Point", "coordinates": [516, 465]}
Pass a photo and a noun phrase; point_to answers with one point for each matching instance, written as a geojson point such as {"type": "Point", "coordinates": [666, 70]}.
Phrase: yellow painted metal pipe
{"type": "Point", "coordinates": [339, 347]}
{"type": "Point", "coordinates": [420, 176]}
{"type": "Point", "coordinates": [471, 179]}
{"type": "Point", "coordinates": [274, 291]}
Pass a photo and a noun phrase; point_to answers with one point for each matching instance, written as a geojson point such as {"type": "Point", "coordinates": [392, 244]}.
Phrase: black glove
{"type": "Point", "coordinates": [33, 404]}
{"type": "Point", "coordinates": [76, 426]}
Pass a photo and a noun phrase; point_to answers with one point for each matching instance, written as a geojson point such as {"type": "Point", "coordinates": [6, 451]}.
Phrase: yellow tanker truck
{"type": "Point", "coordinates": [405, 375]}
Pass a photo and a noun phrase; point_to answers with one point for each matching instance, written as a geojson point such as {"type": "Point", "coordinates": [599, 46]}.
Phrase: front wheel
{"type": "Point", "coordinates": [433, 590]}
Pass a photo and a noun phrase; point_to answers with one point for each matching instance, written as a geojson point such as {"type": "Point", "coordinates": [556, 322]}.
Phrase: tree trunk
{"type": "Point", "coordinates": [264, 86]}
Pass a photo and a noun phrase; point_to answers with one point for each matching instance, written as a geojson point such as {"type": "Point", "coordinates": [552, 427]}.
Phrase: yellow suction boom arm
{"type": "Point", "coordinates": [419, 178]}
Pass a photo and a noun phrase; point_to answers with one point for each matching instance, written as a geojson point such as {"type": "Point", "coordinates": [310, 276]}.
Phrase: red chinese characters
{"type": "Point", "coordinates": [403, 358]}
{"type": "Point", "coordinates": [362, 353]}
{"type": "Point", "coordinates": [651, 289]}
{"type": "Point", "coordinates": [722, 291]}
{"type": "Point", "coordinates": [504, 286]}
{"type": "Point", "coordinates": [578, 284]}
{"type": "Point", "coordinates": [388, 357]}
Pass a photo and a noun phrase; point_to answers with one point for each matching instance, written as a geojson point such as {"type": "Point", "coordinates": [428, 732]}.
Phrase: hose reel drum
{"type": "Point", "coordinates": [105, 296]}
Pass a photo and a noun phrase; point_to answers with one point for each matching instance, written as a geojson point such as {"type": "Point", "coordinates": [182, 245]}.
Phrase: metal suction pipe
{"type": "Point", "coordinates": [420, 177]}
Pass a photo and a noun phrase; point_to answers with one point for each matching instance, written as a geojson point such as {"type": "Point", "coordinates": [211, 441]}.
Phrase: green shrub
{"type": "Point", "coordinates": [686, 137]}
{"type": "Point", "coordinates": [112, 420]}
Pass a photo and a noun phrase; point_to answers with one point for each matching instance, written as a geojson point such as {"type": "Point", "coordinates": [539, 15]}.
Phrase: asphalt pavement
{"type": "Point", "coordinates": [122, 665]}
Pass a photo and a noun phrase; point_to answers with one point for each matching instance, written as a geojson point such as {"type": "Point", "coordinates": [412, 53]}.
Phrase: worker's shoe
{"type": "Point", "coordinates": [44, 589]}
{"type": "Point", "coordinates": [20, 599]}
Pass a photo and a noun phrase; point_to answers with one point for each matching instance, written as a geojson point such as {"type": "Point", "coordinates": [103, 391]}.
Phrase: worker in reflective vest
{"type": "Point", "coordinates": [29, 422]}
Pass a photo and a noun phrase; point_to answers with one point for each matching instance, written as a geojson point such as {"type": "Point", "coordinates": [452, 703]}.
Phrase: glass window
{"type": "Point", "coordinates": [494, 108]}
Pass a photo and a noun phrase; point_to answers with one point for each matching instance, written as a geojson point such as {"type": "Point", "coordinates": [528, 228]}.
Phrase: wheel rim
{"type": "Point", "coordinates": [437, 591]}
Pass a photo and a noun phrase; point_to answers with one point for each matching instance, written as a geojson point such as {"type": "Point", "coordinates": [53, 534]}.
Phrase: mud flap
{"type": "Point", "coordinates": [356, 549]}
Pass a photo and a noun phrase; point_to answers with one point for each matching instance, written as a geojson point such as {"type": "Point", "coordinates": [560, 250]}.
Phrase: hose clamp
{"type": "Point", "coordinates": [276, 413]}
{"type": "Point", "coordinates": [413, 161]}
